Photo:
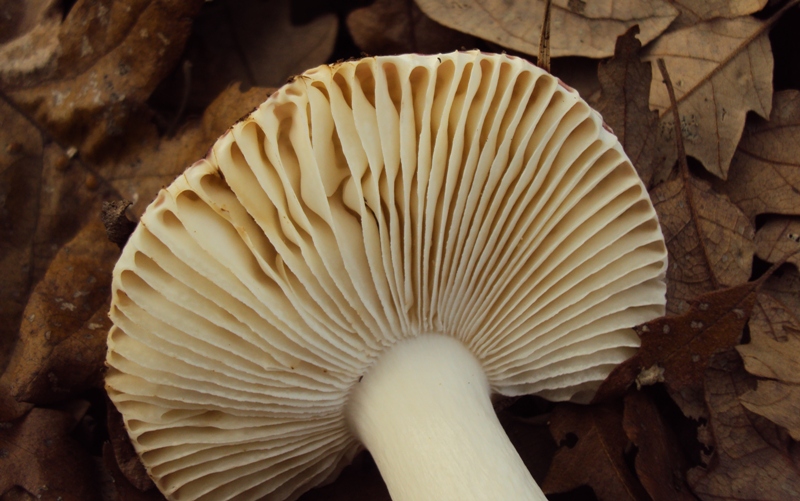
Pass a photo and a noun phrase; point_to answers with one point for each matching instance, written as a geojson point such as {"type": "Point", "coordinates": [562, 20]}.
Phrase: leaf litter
{"type": "Point", "coordinates": [134, 121]}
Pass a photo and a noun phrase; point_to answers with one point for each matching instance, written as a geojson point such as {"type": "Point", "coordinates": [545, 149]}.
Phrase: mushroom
{"type": "Point", "coordinates": [362, 262]}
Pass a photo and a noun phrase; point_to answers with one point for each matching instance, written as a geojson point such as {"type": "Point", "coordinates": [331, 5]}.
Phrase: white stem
{"type": "Point", "coordinates": [424, 413]}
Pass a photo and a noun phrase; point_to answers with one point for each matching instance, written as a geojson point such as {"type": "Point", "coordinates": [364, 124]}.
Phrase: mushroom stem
{"type": "Point", "coordinates": [424, 413]}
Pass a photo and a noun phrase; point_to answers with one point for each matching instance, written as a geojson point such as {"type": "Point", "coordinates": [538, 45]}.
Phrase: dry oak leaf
{"type": "Point", "coordinates": [37, 454]}
{"type": "Point", "coordinates": [111, 56]}
{"type": "Point", "coordinates": [660, 464]}
{"type": "Point", "coordinates": [148, 161]}
{"type": "Point", "coordinates": [694, 12]}
{"type": "Point", "coordinates": [773, 354]}
{"type": "Point", "coordinates": [253, 42]}
{"type": "Point", "coordinates": [710, 241]}
{"type": "Point", "coordinates": [776, 398]}
{"type": "Point", "coordinates": [751, 459]}
{"type": "Point", "coordinates": [577, 28]}
{"type": "Point", "coordinates": [396, 27]}
{"type": "Point", "coordinates": [765, 171]}
{"type": "Point", "coordinates": [122, 489]}
{"type": "Point", "coordinates": [122, 454]}
{"type": "Point", "coordinates": [720, 69]}
{"type": "Point", "coordinates": [46, 198]}
{"type": "Point", "coordinates": [62, 341]}
{"type": "Point", "coordinates": [596, 459]}
{"type": "Point", "coordinates": [779, 238]}
{"type": "Point", "coordinates": [625, 86]}
{"type": "Point", "coordinates": [683, 345]}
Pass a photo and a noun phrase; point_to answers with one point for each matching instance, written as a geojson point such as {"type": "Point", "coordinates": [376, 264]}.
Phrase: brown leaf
{"type": "Point", "coordinates": [625, 84]}
{"type": "Point", "coordinates": [721, 69]}
{"type": "Point", "coordinates": [710, 241]}
{"type": "Point", "coordinates": [37, 454]}
{"type": "Point", "coordinates": [253, 42]}
{"type": "Point", "coordinates": [122, 489]}
{"type": "Point", "coordinates": [694, 12]}
{"type": "Point", "coordinates": [751, 459]}
{"type": "Point", "coordinates": [596, 459]}
{"type": "Point", "coordinates": [392, 27]}
{"type": "Point", "coordinates": [20, 175]}
{"type": "Point", "coordinates": [779, 238]}
{"type": "Point", "coordinates": [62, 337]}
{"type": "Point", "coordinates": [683, 345]}
{"type": "Point", "coordinates": [144, 165]}
{"type": "Point", "coordinates": [46, 200]}
{"type": "Point", "coordinates": [123, 455]}
{"type": "Point", "coordinates": [765, 172]}
{"type": "Point", "coordinates": [110, 57]}
{"type": "Point", "coordinates": [774, 354]}
{"type": "Point", "coordinates": [577, 27]}
{"type": "Point", "coordinates": [660, 464]}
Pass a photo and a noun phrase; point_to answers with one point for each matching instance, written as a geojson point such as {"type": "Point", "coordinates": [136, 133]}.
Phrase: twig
{"type": "Point", "coordinates": [544, 41]}
{"type": "Point", "coordinates": [676, 118]}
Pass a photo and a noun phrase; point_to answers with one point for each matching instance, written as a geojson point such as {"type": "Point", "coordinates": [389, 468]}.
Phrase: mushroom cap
{"type": "Point", "coordinates": [467, 194]}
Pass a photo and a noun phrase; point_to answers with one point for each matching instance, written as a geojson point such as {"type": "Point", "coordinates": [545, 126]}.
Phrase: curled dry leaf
{"type": "Point", "coordinates": [765, 172]}
{"type": "Point", "coordinates": [774, 355]}
{"type": "Point", "coordinates": [660, 464]}
{"type": "Point", "coordinates": [596, 459]}
{"type": "Point", "coordinates": [751, 459]}
{"type": "Point", "coordinates": [779, 238]}
{"type": "Point", "coordinates": [110, 55]}
{"type": "Point", "coordinates": [683, 345]}
{"type": "Point", "coordinates": [124, 457]}
{"type": "Point", "coordinates": [577, 28]}
{"type": "Point", "coordinates": [625, 85]}
{"type": "Point", "coordinates": [122, 489]}
{"type": "Point", "coordinates": [693, 12]}
{"type": "Point", "coordinates": [253, 42]}
{"type": "Point", "coordinates": [46, 200]}
{"type": "Point", "coordinates": [710, 241]}
{"type": "Point", "coordinates": [392, 27]}
{"type": "Point", "coordinates": [37, 454]}
{"type": "Point", "coordinates": [720, 69]}
{"type": "Point", "coordinates": [63, 332]}
{"type": "Point", "coordinates": [142, 167]}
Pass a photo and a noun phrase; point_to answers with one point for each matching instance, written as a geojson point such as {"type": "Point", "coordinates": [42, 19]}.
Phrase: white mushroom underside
{"type": "Point", "coordinates": [467, 194]}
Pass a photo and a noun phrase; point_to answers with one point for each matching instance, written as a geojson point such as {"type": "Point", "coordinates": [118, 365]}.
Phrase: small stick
{"type": "Point", "coordinates": [544, 40]}
{"type": "Point", "coordinates": [676, 118]}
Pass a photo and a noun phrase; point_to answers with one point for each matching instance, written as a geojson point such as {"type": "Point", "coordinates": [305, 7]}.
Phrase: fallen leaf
{"type": "Point", "coordinates": [253, 42]}
{"type": "Point", "coordinates": [710, 241]}
{"type": "Point", "coordinates": [37, 455]}
{"type": "Point", "coordinates": [765, 171]}
{"type": "Point", "coordinates": [577, 28]}
{"type": "Point", "coordinates": [45, 200]}
{"type": "Point", "coordinates": [660, 464]}
{"type": "Point", "coordinates": [779, 238]}
{"type": "Point", "coordinates": [62, 337]}
{"type": "Point", "coordinates": [625, 87]}
{"type": "Point", "coordinates": [123, 490]}
{"type": "Point", "coordinates": [777, 400]}
{"type": "Point", "coordinates": [142, 167]}
{"type": "Point", "coordinates": [110, 55]}
{"type": "Point", "coordinates": [693, 12]}
{"type": "Point", "coordinates": [597, 457]}
{"type": "Point", "coordinates": [392, 27]}
{"type": "Point", "coordinates": [773, 354]}
{"type": "Point", "coordinates": [20, 178]}
{"type": "Point", "coordinates": [683, 345]}
{"type": "Point", "coordinates": [721, 69]}
{"type": "Point", "coordinates": [122, 453]}
{"type": "Point", "coordinates": [751, 460]}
